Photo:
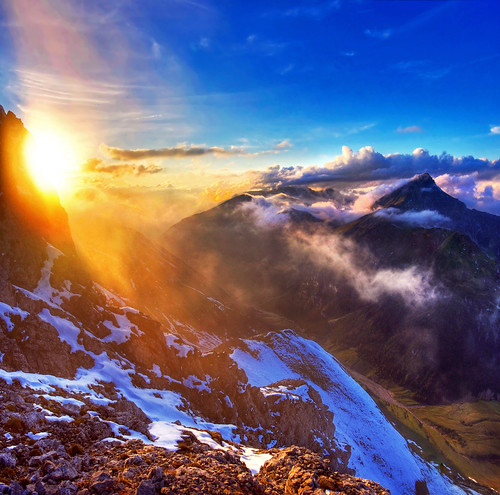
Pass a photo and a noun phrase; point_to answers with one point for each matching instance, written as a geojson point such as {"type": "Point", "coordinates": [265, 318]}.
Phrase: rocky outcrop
{"type": "Point", "coordinates": [54, 465]}
{"type": "Point", "coordinates": [297, 471]}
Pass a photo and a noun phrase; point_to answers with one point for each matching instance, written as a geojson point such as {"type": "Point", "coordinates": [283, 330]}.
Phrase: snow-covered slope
{"type": "Point", "coordinates": [377, 450]}
{"type": "Point", "coordinates": [274, 390]}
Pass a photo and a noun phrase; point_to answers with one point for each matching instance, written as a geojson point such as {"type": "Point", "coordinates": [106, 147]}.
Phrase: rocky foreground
{"type": "Point", "coordinates": [85, 456]}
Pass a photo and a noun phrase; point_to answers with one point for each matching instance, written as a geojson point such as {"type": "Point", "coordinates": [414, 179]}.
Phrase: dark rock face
{"type": "Point", "coordinates": [23, 208]}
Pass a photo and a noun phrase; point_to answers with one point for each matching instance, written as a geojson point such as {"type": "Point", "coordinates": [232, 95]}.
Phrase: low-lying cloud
{"type": "Point", "coordinates": [265, 213]}
{"type": "Point", "coordinates": [425, 218]}
{"type": "Point", "coordinates": [414, 285]}
{"type": "Point", "coordinates": [274, 209]}
{"type": "Point", "coordinates": [346, 260]}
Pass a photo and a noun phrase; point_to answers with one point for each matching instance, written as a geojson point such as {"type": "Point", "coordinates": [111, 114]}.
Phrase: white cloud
{"type": "Point", "coordinates": [265, 213]}
{"type": "Point", "coordinates": [368, 165]}
{"type": "Point", "coordinates": [415, 286]}
{"type": "Point", "coordinates": [156, 50]}
{"type": "Point", "coordinates": [424, 218]}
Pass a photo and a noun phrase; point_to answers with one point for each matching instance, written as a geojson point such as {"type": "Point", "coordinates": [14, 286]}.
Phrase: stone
{"type": "Point", "coordinates": [136, 460]}
{"type": "Point", "coordinates": [7, 460]}
{"type": "Point", "coordinates": [146, 488]}
{"type": "Point", "coordinates": [67, 488]}
{"type": "Point", "coordinates": [40, 488]}
{"type": "Point", "coordinates": [102, 484]}
{"type": "Point", "coordinates": [64, 471]}
{"type": "Point", "coordinates": [155, 474]}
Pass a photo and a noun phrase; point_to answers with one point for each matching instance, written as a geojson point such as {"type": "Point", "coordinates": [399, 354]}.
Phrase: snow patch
{"type": "Point", "coordinates": [7, 311]}
{"type": "Point", "coordinates": [37, 436]}
{"type": "Point", "coordinates": [67, 331]}
{"type": "Point", "coordinates": [174, 341]}
{"type": "Point", "coordinates": [121, 332]}
{"type": "Point", "coordinates": [253, 459]}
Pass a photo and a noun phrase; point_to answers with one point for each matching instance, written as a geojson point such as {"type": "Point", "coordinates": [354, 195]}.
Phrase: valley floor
{"type": "Point", "coordinates": [463, 439]}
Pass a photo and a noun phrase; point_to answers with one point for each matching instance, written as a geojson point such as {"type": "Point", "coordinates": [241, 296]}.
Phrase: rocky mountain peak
{"type": "Point", "coordinates": [421, 193]}
{"type": "Point", "coordinates": [25, 207]}
{"type": "Point", "coordinates": [423, 180]}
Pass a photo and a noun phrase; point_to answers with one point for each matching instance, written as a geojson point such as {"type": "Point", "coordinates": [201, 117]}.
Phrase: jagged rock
{"type": "Point", "coordinates": [128, 414]}
{"type": "Point", "coordinates": [102, 484]}
{"type": "Point", "coordinates": [40, 488]}
{"type": "Point", "coordinates": [67, 488]}
{"type": "Point", "coordinates": [155, 474]}
{"type": "Point", "coordinates": [136, 460]}
{"type": "Point", "coordinates": [64, 471]}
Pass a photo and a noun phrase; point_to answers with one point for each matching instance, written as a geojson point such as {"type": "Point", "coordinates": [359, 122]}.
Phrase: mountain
{"type": "Point", "coordinates": [99, 397]}
{"type": "Point", "coordinates": [433, 328]}
{"type": "Point", "coordinates": [422, 193]}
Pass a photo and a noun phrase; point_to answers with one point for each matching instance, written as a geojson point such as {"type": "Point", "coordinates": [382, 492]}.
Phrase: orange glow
{"type": "Point", "coordinates": [51, 160]}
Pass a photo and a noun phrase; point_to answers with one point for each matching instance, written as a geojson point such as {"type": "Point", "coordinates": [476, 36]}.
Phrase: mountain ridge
{"type": "Point", "coordinates": [422, 193]}
{"type": "Point", "coordinates": [319, 296]}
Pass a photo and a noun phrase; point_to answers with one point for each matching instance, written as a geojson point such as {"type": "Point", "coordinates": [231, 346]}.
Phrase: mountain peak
{"type": "Point", "coordinates": [421, 193]}
{"type": "Point", "coordinates": [423, 180]}
{"type": "Point", "coordinates": [40, 215]}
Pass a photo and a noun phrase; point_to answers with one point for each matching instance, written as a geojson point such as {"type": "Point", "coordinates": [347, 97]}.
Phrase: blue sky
{"type": "Point", "coordinates": [325, 74]}
{"type": "Point", "coordinates": [275, 82]}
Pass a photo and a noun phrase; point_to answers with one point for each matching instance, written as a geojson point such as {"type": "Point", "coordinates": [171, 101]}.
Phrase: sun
{"type": "Point", "coordinates": [51, 160]}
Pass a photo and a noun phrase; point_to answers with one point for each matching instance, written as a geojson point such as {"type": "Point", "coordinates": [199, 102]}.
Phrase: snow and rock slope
{"type": "Point", "coordinates": [377, 450]}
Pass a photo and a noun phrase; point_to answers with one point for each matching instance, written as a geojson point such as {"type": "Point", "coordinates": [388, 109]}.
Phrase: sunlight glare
{"type": "Point", "coordinates": [51, 160]}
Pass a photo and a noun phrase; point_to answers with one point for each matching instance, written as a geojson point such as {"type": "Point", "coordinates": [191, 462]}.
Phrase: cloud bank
{"type": "Point", "coordinates": [424, 218]}
{"type": "Point", "coordinates": [414, 285]}
{"type": "Point", "coordinates": [368, 165]}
